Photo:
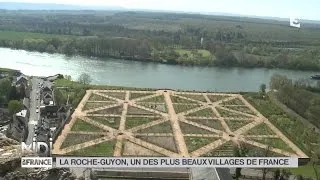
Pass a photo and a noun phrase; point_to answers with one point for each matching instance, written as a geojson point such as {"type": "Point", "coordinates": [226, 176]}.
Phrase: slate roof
{"type": "Point", "coordinates": [21, 79]}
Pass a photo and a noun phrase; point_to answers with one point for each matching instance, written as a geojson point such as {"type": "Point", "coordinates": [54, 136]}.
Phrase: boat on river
{"type": "Point", "coordinates": [317, 77]}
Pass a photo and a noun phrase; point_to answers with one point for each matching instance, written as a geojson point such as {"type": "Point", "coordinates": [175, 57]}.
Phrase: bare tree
{"type": "Point", "coordinates": [266, 154]}
{"type": "Point", "coordinates": [84, 79]}
{"type": "Point", "coordinates": [315, 160]}
{"type": "Point", "coordinates": [313, 152]}
{"type": "Point", "coordinates": [240, 151]}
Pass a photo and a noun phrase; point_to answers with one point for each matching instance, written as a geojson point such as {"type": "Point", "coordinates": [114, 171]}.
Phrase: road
{"type": "Point", "coordinates": [197, 173]}
{"type": "Point", "coordinates": [34, 102]}
{"type": "Point", "coordinates": [223, 173]}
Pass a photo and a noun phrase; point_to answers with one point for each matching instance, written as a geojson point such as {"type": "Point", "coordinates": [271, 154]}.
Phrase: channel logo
{"type": "Point", "coordinates": [295, 22]}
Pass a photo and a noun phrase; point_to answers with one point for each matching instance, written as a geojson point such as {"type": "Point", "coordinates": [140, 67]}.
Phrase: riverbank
{"type": "Point", "coordinates": [145, 74]}
{"type": "Point", "coordinates": [122, 48]}
{"type": "Point", "coordinates": [175, 57]}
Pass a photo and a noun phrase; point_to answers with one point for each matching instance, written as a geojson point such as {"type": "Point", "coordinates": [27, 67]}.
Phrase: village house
{"type": "Point", "coordinates": [18, 128]}
{"type": "Point", "coordinates": [22, 81]}
{"type": "Point", "coordinates": [54, 115]}
{"type": "Point", "coordinates": [46, 90]}
{"type": "Point", "coordinates": [47, 99]}
{"type": "Point", "coordinates": [52, 119]}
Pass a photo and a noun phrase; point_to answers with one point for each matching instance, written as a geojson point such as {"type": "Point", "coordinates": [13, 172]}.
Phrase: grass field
{"type": "Point", "coordinates": [6, 70]}
{"type": "Point", "coordinates": [102, 149]}
{"type": "Point", "coordinates": [306, 170]}
{"type": "Point", "coordinates": [81, 125]}
{"type": "Point", "coordinates": [289, 125]}
{"type": "Point", "coordinates": [14, 35]}
{"type": "Point", "coordinates": [202, 52]}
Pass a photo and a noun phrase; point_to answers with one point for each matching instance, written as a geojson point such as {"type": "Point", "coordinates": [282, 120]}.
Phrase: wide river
{"type": "Point", "coordinates": [142, 74]}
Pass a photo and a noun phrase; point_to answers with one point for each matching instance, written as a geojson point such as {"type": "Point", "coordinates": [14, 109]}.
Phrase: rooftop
{"type": "Point", "coordinates": [22, 77]}
{"type": "Point", "coordinates": [22, 113]}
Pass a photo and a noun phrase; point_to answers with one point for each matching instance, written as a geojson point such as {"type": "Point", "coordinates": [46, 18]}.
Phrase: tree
{"type": "Point", "coordinates": [277, 81]}
{"type": "Point", "coordinates": [299, 177]}
{"type": "Point", "coordinates": [68, 77]}
{"type": "Point", "coordinates": [277, 174]}
{"type": "Point", "coordinates": [50, 49]}
{"type": "Point", "coordinates": [13, 94]}
{"type": "Point", "coordinates": [240, 151]}
{"type": "Point", "coordinates": [263, 88]}
{"type": "Point", "coordinates": [315, 160]}
{"type": "Point", "coordinates": [265, 170]}
{"type": "Point", "coordinates": [22, 92]}
{"type": "Point", "coordinates": [238, 170]}
{"type": "Point", "coordinates": [284, 174]}
{"type": "Point", "coordinates": [14, 106]}
{"type": "Point", "coordinates": [5, 86]}
{"type": "Point", "coordinates": [84, 79]}
{"type": "Point", "coordinates": [58, 97]}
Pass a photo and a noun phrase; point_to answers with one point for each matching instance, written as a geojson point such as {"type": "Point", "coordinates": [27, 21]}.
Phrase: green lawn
{"type": "Point", "coordinates": [203, 113]}
{"type": "Point", "coordinates": [203, 52]}
{"type": "Point", "coordinates": [156, 99]}
{"type": "Point", "coordinates": [92, 105]}
{"type": "Point", "coordinates": [194, 143]}
{"type": "Point", "coordinates": [198, 97]}
{"type": "Point", "coordinates": [113, 122]}
{"type": "Point", "coordinates": [13, 35]}
{"type": "Point", "coordinates": [261, 129]}
{"type": "Point", "coordinates": [102, 149]}
{"type": "Point", "coordinates": [176, 99]}
{"type": "Point", "coordinates": [159, 128]}
{"type": "Point", "coordinates": [184, 107]}
{"type": "Point", "coordinates": [132, 122]}
{"type": "Point", "coordinates": [6, 70]}
{"type": "Point", "coordinates": [65, 83]}
{"type": "Point", "coordinates": [306, 170]}
{"type": "Point", "coordinates": [139, 95]}
{"type": "Point", "coordinates": [236, 124]}
{"type": "Point", "coordinates": [274, 142]}
{"type": "Point", "coordinates": [81, 125]}
{"type": "Point", "coordinates": [74, 139]}
{"type": "Point", "coordinates": [293, 128]}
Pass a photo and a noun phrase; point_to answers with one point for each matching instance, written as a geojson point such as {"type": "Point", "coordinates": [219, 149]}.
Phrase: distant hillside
{"type": "Point", "coordinates": [52, 6]}
{"type": "Point", "coordinates": [49, 6]}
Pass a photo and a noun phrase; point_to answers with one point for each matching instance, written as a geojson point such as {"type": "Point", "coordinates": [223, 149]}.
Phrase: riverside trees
{"type": "Point", "coordinates": [154, 36]}
{"type": "Point", "coordinates": [297, 96]}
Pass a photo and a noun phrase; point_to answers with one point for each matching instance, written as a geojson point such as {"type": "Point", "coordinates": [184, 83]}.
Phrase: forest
{"type": "Point", "coordinates": [301, 96]}
{"type": "Point", "coordinates": [186, 39]}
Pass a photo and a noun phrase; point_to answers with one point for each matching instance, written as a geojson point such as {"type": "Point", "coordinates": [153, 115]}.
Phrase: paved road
{"type": "Point", "coordinates": [34, 102]}
{"type": "Point", "coordinates": [197, 173]}
{"type": "Point", "coordinates": [224, 173]}
{"type": "Point", "coordinates": [211, 174]}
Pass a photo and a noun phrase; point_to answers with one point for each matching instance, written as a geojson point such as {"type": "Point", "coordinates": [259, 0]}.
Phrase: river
{"type": "Point", "coordinates": [141, 74]}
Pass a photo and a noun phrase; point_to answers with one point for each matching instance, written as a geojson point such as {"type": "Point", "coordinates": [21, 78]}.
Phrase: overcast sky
{"type": "Point", "coordinates": [307, 9]}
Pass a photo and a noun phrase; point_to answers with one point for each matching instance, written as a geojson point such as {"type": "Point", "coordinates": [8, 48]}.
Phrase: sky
{"type": "Point", "coordinates": [307, 9]}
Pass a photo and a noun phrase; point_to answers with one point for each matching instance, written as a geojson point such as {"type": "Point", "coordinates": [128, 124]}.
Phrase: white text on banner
{"type": "Point", "coordinates": [139, 162]}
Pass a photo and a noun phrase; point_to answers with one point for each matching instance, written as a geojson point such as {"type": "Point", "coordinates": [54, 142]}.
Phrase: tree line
{"type": "Point", "coordinates": [136, 36]}
{"type": "Point", "coordinates": [301, 96]}
{"type": "Point", "coordinates": [10, 95]}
